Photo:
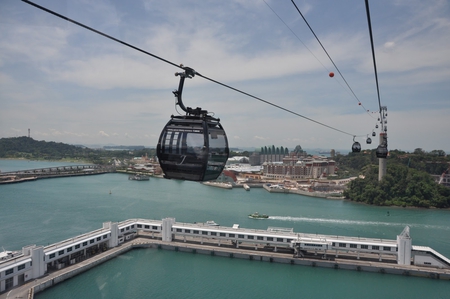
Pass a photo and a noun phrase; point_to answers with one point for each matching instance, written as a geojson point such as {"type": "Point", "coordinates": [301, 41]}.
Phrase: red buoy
{"type": "Point", "coordinates": [331, 74]}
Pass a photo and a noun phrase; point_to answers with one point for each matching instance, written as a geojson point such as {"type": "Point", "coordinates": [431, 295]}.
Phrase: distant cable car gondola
{"type": "Point", "coordinates": [356, 147]}
{"type": "Point", "coordinates": [382, 151]}
{"type": "Point", "coordinates": [194, 146]}
{"type": "Point", "coordinates": [368, 140]}
{"type": "Point", "coordinates": [374, 134]}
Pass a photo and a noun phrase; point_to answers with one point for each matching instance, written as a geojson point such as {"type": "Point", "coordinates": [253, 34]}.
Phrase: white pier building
{"type": "Point", "coordinates": [32, 262]}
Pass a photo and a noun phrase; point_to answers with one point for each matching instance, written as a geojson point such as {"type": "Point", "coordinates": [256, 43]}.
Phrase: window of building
{"type": "Point", "coordinates": [231, 235]}
{"type": "Point", "coordinates": [204, 233]}
{"type": "Point", "coordinates": [9, 271]}
{"type": "Point", "coordinates": [179, 230]}
{"type": "Point", "coordinates": [91, 241]}
{"type": "Point", "coordinates": [85, 243]}
{"type": "Point", "coordinates": [21, 267]}
{"type": "Point", "coordinates": [154, 227]}
{"type": "Point", "coordinates": [61, 252]}
{"type": "Point", "coordinates": [250, 237]}
{"type": "Point", "coordinates": [128, 228]}
{"type": "Point", "coordinates": [269, 239]}
{"type": "Point", "coordinates": [132, 226]}
{"type": "Point", "coordinates": [146, 226]}
{"type": "Point", "coordinates": [222, 234]}
{"type": "Point", "coordinates": [122, 230]}
{"type": "Point", "coordinates": [105, 236]}
{"type": "Point", "coordinates": [196, 232]}
{"type": "Point", "coordinates": [9, 282]}
{"type": "Point", "coordinates": [77, 246]}
{"type": "Point", "coordinates": [279, 239]}
{"type": "Point", "coordinates": [342, 245]}
{"type": "Point", "coordinates": [364, 246]}
{"type": "Point", "coordinates": [213, 234]}
{"type": "Point", "coordinates": [353, 245]}
{"type": "Point", "coordinates": [69, 249]}
{"type": "Point", "coordinates": [51, 256]}
{"type": "Point", "coordinates": [187, 231]}
{"type": "Point", "coordinates": [385, 248]}
{"type": "Point", "coordinates": [99, 238]}
{"type": "Point", "coordinates": [241, 237]}
{"type": "Point", "coordinates": [139, 226]}
{"type": "Point", "coordinates": [375, 247]}
{"type": "Point", "coordinates": [260, 238]}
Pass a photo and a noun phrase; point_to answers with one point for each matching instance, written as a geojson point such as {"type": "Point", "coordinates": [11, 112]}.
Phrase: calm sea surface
{"type": "Point", "coordinates": [46, 211]}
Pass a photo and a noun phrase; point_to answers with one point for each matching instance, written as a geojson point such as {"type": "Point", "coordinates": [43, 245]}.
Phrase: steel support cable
{"type": "Point", "coordinates": [181, 66]}
{"type": "Point", "coordinates": [275, 105]}
{"type": "Point", "coordinates": [373, 53]}
{"type": "Point", "coordinates": [99, 32]}
{"type": "Point", "coordinates": [342, 76]}
{"type": "Point", "coordinates": [292, 31]}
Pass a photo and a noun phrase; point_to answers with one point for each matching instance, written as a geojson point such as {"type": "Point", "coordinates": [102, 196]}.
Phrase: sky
{"type": "Point", "coordinates": [68, 84]}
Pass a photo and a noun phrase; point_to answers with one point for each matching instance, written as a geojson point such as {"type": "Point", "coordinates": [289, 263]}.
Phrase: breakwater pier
{"type": "Point", "coordinates": [53, 172]}
{"type": "Point", "coordinates": [35, 268]}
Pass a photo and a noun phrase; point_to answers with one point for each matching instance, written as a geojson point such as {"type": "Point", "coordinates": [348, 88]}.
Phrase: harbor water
{"type": "Point", "coordinates": [50, 210]}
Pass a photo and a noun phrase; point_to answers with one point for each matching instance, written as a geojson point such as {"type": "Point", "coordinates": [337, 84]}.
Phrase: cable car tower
{"type": "Point", "coordinates": [382, 149]}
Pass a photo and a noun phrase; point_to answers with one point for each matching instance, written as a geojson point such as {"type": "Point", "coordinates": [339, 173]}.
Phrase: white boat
{"type": "Point", "coordinates": [218, 184]}
{"type": "Point", "coordinates": [256, 215]}
{"type": "Point", "coordinates": [246, 187]}
{"type": "Point", "coordinates": [138, 177]}
{"type": "Point", "coordinates": [211, 223]}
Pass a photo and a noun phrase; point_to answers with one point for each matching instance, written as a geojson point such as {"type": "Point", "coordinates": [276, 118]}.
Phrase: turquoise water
{"type": "Point", "coordinates": [47, 211]}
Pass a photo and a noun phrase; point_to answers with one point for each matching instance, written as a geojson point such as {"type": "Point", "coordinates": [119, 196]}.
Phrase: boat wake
{"type": "Point", "coordinates": [355, 222]}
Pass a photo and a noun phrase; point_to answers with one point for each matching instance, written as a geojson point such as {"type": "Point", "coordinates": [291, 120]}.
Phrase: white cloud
{"type": "Point", "coordinates": [71, 85]}
{"type": "Point", "coordinates": [103, 134]}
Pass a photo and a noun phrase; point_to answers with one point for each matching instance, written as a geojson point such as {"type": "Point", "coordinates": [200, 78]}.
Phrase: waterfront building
{"type": "Point", "coordinates": [293, 168]}
{"type": "Point", "coordinates": [32, 262]}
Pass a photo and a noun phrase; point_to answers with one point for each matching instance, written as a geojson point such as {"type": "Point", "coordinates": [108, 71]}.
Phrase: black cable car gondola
{"type": "Point", "coordinates": [194, 146]}
{"type": "Point", "coordinates": [382, 151]}
{"type": "Point", "coordinates": [356, 147]}
{"type": "Point", "coordinates": [369, 140]}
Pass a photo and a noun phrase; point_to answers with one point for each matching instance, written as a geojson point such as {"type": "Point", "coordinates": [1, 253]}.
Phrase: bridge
{"type": "Point", "coordinates": [54, 172]}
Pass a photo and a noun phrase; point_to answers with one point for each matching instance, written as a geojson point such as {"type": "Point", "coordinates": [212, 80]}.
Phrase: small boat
{"type": "Point", "coordinates": [211, 223]}
{"type": "Point", "coordinates": [218, 184]}
{"type": "Point", "coordinates": [256, 215]}
{"type": "Point", "coordinates": [138, 177]}
{"type": "Point", "coordinates": [246, 187]}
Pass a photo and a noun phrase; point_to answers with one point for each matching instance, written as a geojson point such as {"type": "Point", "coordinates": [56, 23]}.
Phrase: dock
{"type": "Point", "coordinates": [53, 172]}
{"type": "Point", "coordinates": [68, 258]}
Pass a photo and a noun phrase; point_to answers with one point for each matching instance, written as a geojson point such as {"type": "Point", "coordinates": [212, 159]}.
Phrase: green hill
{"type": "Point", "coordinates": [408, 181]}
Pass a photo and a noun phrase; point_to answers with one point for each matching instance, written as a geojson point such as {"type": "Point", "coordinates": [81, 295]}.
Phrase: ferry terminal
{"type": "Point", "coordinates": [35, 268]}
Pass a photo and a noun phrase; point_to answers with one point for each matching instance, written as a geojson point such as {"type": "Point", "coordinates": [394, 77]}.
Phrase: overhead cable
{"type": "Point", "coordinates": [181, 66]}
{"type": "Point", "coordinates": [373, 53]}
{"type": "Point", "coordinates": [326, 52]}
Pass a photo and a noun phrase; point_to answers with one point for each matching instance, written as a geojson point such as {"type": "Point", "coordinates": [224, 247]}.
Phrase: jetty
{"type": "Point", "coordinates": [53, 172]}
{"type": "Point", "coordinates": [36, 268]}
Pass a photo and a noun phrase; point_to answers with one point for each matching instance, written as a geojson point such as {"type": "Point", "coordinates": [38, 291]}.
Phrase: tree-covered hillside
{"type": "Point", "coordinates": [408, 181]}
{"type": "Point", "coordinates": [28, 148]}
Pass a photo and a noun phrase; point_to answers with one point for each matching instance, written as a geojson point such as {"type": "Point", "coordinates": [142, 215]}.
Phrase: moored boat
{"type": "Point", "coordinates": [246, 187]}
{"type": "Point", "coordinates": [256, 215]}
{"type": "Point", "coordinates": [138, 177]}
{"type": "Point", "coordinates": [211, 223]}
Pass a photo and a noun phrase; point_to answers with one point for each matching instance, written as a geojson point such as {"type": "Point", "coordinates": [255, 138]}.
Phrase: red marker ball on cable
{"type": "Point", "coordinates": [331, 75]}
